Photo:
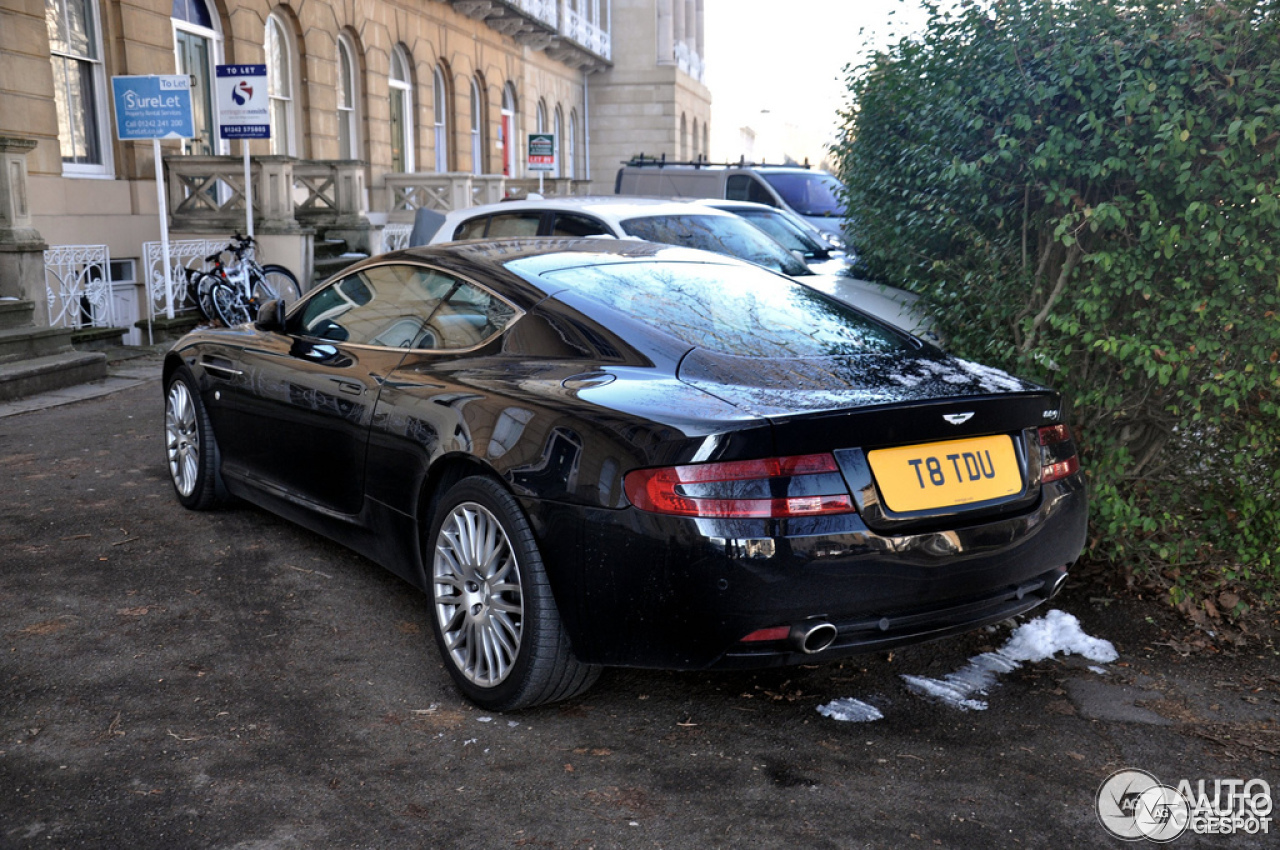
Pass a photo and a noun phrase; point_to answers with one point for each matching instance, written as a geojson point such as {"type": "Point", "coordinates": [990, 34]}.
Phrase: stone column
{"type": "Point", "coordinates": [273, 194]}
{"type": "Point", "coordinates": [21, 245]}
{"type": "Point", "coordinates": [700, 19]}
{"type": "Point", "coordinates": [666, 32]}
{"type": "Point", "coordinates": [350, 223]}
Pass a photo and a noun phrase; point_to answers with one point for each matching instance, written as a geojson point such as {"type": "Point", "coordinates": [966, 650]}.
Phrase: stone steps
{"type": "Point", "coordinates": [331, 257]}
{"type": "Point", "coordinates": [35, 359]}
{"type": "Point", "coordinates": [50, 372]}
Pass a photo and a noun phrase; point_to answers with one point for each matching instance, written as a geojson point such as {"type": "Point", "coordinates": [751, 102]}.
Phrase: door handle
{"type": "Point", "coordinates": [350, 387]}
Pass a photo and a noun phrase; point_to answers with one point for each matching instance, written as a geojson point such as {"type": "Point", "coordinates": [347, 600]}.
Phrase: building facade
{"type": "Point", "coordinates": [376, 109]}
{"type": "Point", "coordinates": [651, 99]}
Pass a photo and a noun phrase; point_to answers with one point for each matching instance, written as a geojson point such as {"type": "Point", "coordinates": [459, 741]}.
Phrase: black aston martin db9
{"type": "Point", "coordinates": [591, 453]}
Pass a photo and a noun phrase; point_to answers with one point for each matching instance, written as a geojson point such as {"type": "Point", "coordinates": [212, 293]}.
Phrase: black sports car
{"type": "Point", "coordinates": [595, 453]}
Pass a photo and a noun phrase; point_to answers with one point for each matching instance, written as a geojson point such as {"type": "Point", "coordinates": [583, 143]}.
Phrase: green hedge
{"type": "Point", "coordinates": [1087, 193]}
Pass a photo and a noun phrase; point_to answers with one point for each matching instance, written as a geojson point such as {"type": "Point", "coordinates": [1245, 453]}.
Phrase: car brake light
{"type": "Point", "coordinates": [797, 486]}
{"type": "Point", "coordinates": [1057, 460]}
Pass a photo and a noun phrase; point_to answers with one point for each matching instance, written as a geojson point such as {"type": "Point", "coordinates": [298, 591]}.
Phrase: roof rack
{"type": "Point", "coordinates": [643, 161]}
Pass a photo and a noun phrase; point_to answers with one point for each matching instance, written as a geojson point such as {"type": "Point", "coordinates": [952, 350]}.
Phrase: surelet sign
{"type": "Point", "coordinates": [153, 107]}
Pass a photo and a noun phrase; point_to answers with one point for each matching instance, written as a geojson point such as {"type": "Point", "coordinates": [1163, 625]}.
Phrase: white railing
{"type": "Point", "coordinates": [77, 283]}
{"type": "Point", "coordinates": [184, 255]}
{"type": "Point", "coordinates": [542, 10]}
{"type": "Point", "coordinates": [689, 61]}
{"type": "Point", "coordinates": [578, 28]}
{"type": "Point", "coordinates": [396, 236]}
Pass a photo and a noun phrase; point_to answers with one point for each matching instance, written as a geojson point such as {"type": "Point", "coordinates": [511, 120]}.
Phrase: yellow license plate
{"type": "Point", "coordinates": [941, 475]}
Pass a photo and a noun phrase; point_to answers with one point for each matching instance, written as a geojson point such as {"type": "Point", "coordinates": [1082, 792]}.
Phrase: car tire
{"type": "Point", "coordinates": [191, 450]}
{"type": "Point", "coordinates": [493, 615]}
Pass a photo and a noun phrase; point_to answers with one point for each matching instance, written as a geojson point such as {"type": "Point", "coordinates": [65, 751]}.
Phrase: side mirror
{"type": "Point", "coordinates": [271, 316]}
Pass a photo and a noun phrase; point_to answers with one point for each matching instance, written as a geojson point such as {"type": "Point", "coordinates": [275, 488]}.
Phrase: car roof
{"type": "Point", "coordinates": [616, 207]}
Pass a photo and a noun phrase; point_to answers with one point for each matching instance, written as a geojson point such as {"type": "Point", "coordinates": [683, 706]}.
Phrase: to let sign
{"type": "Point", "coordinates": [153, 107]}
{"type": "Point", "coordinates": [242, 102]}
{"type": "Point", "coordinates": [542, 151]}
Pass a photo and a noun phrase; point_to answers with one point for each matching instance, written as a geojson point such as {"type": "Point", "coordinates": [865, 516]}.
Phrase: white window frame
{"type": "Point", "coordinates": [440, 105]}
{"type": "Point", "coordinates": [477, 127]}
{"type": "Point", "coordinates": [348, 86]}
{"type": "Point", "coordinates": [214, 36]}
{"type": "Point", "coordinates": [402, 87]}
{"type": "Point", "coordinates": [283, 104]}
{"type": "Point", "coordinates": [105, 168]}
{"type": "Point", "coordinates": [557, 127]}
{"type": "Point", "coordinates": [571, 145]}
{"type": "Point", "coordinates": [510, 154]}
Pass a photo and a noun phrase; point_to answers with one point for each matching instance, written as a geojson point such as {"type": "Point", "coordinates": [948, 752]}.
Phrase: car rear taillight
{"type": "Point", "coordinates": [1057, 453]}
{"type": "Point", "coordinates": [797, 486]}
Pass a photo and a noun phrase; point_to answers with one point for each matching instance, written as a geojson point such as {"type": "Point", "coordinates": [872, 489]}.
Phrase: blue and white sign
{"type": "Point", "coordinates": [242, 102]}
{"type": "Point", "coordinates": [153, 107]}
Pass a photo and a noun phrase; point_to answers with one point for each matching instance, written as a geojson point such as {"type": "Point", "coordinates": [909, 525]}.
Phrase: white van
{"type": "Point", "coordinates": [813, 195]}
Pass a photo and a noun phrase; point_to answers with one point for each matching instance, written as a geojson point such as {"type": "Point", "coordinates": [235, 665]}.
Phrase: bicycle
{"type": "Point", "coordinates": [231, 293]}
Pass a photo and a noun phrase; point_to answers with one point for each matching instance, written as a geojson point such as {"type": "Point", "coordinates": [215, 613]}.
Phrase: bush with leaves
{"type": "Point", "coordinates": [1088, 192]}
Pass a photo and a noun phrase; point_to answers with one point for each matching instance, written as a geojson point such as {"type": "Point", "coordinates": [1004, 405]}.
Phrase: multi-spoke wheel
{"type": "Point", "coordinates": [496, 622]}
{"type": "Point", "coordinates": [230, 305]}
{"type": "Point", "coordinates": [276, 282]}
{"type": "Point", "coordinates": [190, 446]}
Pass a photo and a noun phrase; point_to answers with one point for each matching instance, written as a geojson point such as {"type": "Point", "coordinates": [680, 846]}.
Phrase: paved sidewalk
{"type": "Point", "coordinates": [127, 366]}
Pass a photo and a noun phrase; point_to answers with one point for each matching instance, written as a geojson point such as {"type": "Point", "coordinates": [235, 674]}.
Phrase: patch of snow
{"type": "Point", "coordinates": [850, 710]}
{"type": "Point", "coordinates": [954, 694]}
{"type": "Point", "coordinates": [1056, 631]}
{"type": "Point", "coordinates": [1036, 640]}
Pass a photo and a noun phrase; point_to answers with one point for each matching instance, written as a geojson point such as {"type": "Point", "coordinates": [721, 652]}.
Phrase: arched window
{"type": "Point", "coordinates": [542, 117]}
{"type": "Point", "coordinates": [281, 87]}
{"type": "Point", "coordinates": [684, 137]}
{"type": "Point", "coordinates": [440, 96]}
{"type": "Point", "coordinates": [348, 100]}
{"type": "Point", "coordinates": [80, 85]}
{"type": "Point", "coordinates": [196, 46]}
{"type": "Point", "coordinates": [558, 129]}
{"type": "Point", "coordinates": [706, 138]}
{"type": "Point", "coordinates": [479, 114]}
{"type": "Point", "coordinates": [401, 112]}
{"type": "Point", "coordinates": [508, 132]}
{"type": "Point", "coordinates": [696, 138]}
{"type": "Point", "coordinates": [571, 146]}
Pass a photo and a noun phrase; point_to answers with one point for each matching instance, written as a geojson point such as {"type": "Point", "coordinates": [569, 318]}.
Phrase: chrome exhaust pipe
{"type": "Point", "coordinates": [1056, 587]}
{"type": "Point", "coordinates": [812, 637]}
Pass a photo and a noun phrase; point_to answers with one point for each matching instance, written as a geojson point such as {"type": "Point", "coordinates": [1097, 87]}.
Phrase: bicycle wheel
{"type": "Point", "coordinates": [202, 284]}
{"type": "Point", "coordinates": [276, 282]}
{"type": "Point", "coordinates": [229, 304]}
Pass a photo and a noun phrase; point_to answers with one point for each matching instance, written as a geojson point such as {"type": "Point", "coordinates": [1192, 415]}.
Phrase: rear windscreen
{"type": "Point", "coordinates": [736, 310]}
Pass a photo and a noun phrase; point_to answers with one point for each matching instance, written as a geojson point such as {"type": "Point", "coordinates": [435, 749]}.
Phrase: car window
{"type": "Point", "coordinates": [514, 224]}
{"type": "Point", "coordinates": [809, 193]}
{"type": "Point", "coordinates": [399, 305]}
{"type": "Point", "coordinates": [744, 187]}
{"type": "Point", "coordinates": [787, 234]}
{"type": "Point", "coordinates": [472, 228]}
{"type": "Point", "coordinates": [736, 310]}
{"type": "Point", "coordinates": [571, 224]}
{"type": "Point", "coordinates": [722, 234]}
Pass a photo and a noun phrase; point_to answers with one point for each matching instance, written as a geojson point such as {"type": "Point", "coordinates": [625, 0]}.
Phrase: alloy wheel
{"type": "Point", "coordinates": [182, 436]}
{"type": "Point", "coordinates": [478, 596]}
